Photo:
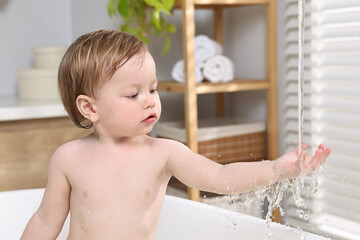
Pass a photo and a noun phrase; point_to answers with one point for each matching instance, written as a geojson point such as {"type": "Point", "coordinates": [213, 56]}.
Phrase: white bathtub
{"type": "Point", "coordinates": [180, 219]}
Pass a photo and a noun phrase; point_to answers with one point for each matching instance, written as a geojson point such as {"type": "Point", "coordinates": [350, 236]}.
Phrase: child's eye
{"type": "Point", "coordinates": [153, 91]}
{"type": "Point", "coordinates": [133, 96]}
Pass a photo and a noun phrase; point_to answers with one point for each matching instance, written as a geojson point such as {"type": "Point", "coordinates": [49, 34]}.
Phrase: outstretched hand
{"type": "Point", "coordinates": [292, 164]}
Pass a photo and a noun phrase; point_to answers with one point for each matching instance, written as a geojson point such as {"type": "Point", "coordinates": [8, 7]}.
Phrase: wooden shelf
{"type": "Point", "coordinates": [223, 3]}
{"type": "Point", "coordinates": [190, 89]}
{"type": "Point", "coordinates": [207, 87]}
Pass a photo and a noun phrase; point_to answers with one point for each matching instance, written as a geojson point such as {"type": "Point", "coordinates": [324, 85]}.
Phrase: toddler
{"type": "Point", "coordinates": [114, 180]}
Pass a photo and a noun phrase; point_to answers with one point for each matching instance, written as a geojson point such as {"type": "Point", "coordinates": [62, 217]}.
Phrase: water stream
{"type": "Point", "coordinates": [275, 193]}
{"type": "Point", "coordinates": [301, 25]}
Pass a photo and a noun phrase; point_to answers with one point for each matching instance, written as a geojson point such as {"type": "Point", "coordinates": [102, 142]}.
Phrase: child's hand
{"type": "Point", "coordinates": [291, 164]}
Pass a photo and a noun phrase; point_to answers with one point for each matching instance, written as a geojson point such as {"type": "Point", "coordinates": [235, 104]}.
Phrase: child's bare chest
{"type": "Point", "coordinates": [125, 194]}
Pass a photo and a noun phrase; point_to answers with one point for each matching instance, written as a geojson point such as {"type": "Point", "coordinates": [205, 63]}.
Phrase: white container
{"type": "Point", "coordinates": [37, 84]}
{"type": "Point", "coordinates": [48, 57]}
{"type": "Point", "coordinates": [180, 219]}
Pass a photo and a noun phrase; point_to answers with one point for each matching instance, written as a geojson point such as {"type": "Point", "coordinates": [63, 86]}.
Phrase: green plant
{"type": "Point", "coordinates": [144, 18]}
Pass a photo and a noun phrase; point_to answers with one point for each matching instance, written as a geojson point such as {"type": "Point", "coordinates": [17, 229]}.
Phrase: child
{"type": "Point", "coordinates": [114, 180]}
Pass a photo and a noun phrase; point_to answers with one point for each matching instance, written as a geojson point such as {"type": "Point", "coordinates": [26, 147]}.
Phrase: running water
{"type": "Point", "coordinates": [301, 16]}
{"type": "Point", "coordinates": [299, 182]}
{"type": "Point", "coordinates": [275, 193]}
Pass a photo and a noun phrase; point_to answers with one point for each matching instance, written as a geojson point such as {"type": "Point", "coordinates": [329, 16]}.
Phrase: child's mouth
{"type": "Point", "coordinates": [151, 118]}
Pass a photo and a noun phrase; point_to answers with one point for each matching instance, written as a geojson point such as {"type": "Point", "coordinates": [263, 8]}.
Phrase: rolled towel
{"type": "Point", "coordinates": [206, 48]}
{"type": "Point", "coordinates": [178, 72]}
{"type": "Point", "coordinates": [219, 69]}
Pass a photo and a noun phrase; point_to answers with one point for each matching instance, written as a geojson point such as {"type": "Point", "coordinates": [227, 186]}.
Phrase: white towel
{"type": "Point", "coordinates": [178, 72]}
{"type": "Point", "coordinates": [219, 69]}
{"type": "Point", "coordinates": [206, 48]}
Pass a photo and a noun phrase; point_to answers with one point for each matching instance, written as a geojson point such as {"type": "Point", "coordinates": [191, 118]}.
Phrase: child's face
{"type": "Point", "coordinates": [128, 104]}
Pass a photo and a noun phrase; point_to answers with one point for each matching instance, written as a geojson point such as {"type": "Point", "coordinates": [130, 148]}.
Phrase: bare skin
{"type": "Point", "coordinates": [114, 180]}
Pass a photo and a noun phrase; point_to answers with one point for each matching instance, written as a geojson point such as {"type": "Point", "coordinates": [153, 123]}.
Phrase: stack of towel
{"type": "Point", "coordinates": [210, 64]}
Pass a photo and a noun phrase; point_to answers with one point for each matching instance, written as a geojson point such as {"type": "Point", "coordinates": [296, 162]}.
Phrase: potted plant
{"type": "Point", "coordinates": [144, 18]}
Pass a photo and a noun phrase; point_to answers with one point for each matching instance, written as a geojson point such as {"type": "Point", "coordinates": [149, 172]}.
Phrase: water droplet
{"type": "Point", "coordinates": [300, 213]}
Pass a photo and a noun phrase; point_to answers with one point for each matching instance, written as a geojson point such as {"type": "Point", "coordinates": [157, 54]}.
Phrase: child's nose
{"type": "Point", "coordinates": [149, 101]}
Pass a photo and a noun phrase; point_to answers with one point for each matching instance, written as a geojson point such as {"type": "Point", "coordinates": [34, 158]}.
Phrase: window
{"type": "Point", "coordinates": [331, 112]}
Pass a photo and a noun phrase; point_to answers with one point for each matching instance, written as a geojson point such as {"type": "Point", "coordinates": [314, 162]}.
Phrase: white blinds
{"type": "Point", "coordinates": [333, 116]}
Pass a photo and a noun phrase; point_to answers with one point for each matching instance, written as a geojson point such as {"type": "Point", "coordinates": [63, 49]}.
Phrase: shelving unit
{"type": "Point", "coordinates": [190, 89]}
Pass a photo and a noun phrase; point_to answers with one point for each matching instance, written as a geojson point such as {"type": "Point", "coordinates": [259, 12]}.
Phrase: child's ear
{"type": "Point", "coordinates": [85, 104]}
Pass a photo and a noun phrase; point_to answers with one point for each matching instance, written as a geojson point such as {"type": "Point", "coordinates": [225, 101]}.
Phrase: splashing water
{"type": "Point", "coordinates": [275, 193]}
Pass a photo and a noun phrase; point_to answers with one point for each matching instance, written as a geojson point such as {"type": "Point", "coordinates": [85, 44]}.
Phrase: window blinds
{"type": "Point", "coordinates": [332, 114]}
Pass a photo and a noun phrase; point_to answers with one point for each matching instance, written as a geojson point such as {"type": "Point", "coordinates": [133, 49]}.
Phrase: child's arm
{"type": "Point", "coordinates": [48, 220]}
{"type": "Point", "coordinates": [198, 172]}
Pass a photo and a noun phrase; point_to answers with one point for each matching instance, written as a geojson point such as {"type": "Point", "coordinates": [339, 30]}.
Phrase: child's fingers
{"type": "Point", "coordinates": [322, 158]}
{"type": "Point", "coordinates": [303, 155]}
{"type": "Point", "coordinates": [326, 153]}
{"type": "Point", "coordinates": [314, 162]}
{"type": "Point", "coordinates": [304, 146]}
{"type": "Point", "coordinates": [321, 146]}
{"type": "Point", "coordinates": [301, 160]}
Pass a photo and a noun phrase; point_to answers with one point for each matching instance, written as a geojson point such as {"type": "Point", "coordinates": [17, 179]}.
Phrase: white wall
{"type": "Point", "coordinates": [90, 15]}
{"type": "Point", "coordinates": [245, 44]}
{"type": "Point", "coordinates": [24, 24]}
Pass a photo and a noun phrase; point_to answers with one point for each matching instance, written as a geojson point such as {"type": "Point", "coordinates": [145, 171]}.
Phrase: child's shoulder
{"type": "Point", "coordinates": [74, 145]}
{"type": "Point", "coordinates": [170, 144]}
{"type": "Point", "coordinates": [69, 150]}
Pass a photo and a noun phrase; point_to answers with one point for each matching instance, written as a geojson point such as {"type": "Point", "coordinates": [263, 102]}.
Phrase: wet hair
{"type": "Point", "coordinates": [89, 62]}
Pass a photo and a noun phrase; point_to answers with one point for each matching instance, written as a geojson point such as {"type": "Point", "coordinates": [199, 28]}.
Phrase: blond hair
{"type": "Point", "coordinates": [89, 62]}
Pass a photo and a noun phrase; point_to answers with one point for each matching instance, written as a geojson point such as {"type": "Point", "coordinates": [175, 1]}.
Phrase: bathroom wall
{"type": "Point", "coordinates": [245, 44]}
{"type": "Point", "coordinates": [24, 24]}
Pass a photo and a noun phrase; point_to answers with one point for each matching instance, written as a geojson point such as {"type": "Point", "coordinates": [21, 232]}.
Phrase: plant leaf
{"type": "Point", "coordinates": [123, 8]}
{"type": "Point", "coordinates": [170, 28]}
{"type": "Point", "coordinates": [168, 4]}
{"type": "Point", "coordinates": [154, 3]}
{"type": "Point", "coordinates": [110, 8]}
{"type": "Point", "coordinates": [144, 18]}
{"type": "Point", "coordinates": [140, 8]}
{"type": "Point", "coordinates": [156, 19]}
{"type": "Point", "coordinates": [167, 45]}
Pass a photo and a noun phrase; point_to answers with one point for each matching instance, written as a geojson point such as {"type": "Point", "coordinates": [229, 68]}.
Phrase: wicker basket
{"type": "Point", "coordinates": [223, 140]}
